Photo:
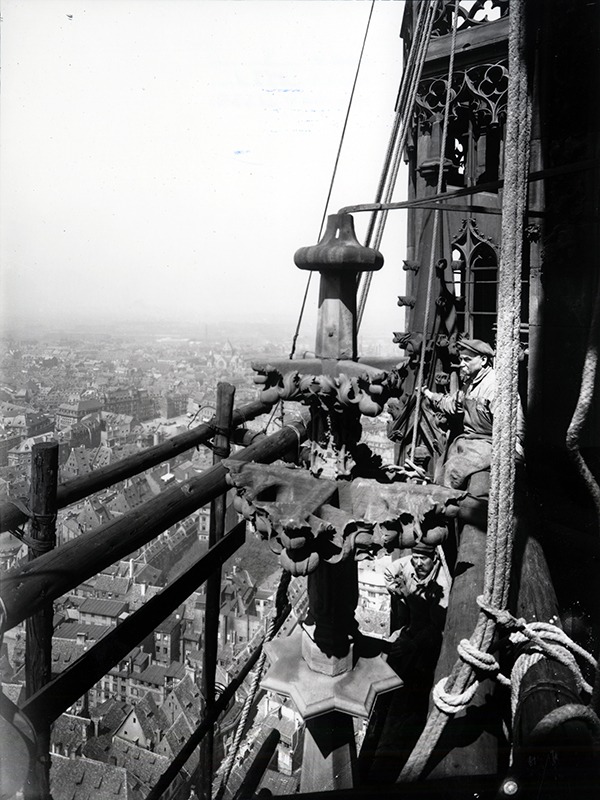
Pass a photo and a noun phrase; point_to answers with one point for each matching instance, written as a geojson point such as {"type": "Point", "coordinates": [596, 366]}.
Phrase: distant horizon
{"type": "Point", "coordinates": [162, 160]}
{"type": "Point", "coordinates": [195, 330]}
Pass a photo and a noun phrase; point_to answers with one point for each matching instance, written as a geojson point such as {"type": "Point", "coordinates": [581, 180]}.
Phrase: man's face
{"type": "Point", "coordinates": [472, 363]}
{"type": "Point", "coordinates": [422, 564]}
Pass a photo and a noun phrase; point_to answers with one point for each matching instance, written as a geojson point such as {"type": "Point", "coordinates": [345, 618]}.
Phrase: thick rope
{"type": "Point", "coordinates": [333, 176]}
{"type": "Point", "coordinates": [434, 235]}
{"type": "Point", "coordinates": [580, 415]}
{"type": "Point", "coordinates": [544, 639]}
{"type": "Point", "coordinates": [584, 403]}
{"type": "Point", "coordinates": [406, 99]}
{"type": "Point", "coordinates": [558, 716]}
{"type": "Point", "coordinates": [280, 601]}
{"type": "Point", "coordinates": [501, 505]}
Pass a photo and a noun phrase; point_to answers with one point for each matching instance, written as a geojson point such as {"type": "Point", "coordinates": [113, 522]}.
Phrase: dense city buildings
{"type": "Point", "coordinates": [103, 399]}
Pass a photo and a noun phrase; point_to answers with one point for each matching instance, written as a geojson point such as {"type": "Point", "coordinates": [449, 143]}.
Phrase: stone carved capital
{"type": "Point", "coordinates": [367, 391]}
{"type": "Point", "coordinates": [300, 515]}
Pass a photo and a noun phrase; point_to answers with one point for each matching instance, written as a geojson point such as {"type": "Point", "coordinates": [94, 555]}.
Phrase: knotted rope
{"type": "Point", "coordinates": [502, 478]}
{"type": "Point", "coordinates": [543, 640]}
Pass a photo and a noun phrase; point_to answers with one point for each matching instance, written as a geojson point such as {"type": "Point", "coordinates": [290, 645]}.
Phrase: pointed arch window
{"type": "Point", "coordinates": [475, 273]}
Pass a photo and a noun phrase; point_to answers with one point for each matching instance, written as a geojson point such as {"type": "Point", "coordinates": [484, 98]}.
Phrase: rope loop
{"type": "Point", "coordinates": [502, 617]}
{"type": "Point", "coordinates": [451, 703]}
{"type": "Point", "coordinates": [480, 660]}
{"type": "Point", "coordinates": [544, 638]}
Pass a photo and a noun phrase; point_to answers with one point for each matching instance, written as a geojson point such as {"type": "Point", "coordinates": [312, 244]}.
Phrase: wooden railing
{"type": "Point", "coordinates": [30, 587]}
{"type": "Point", "coordinates": [77, 489]}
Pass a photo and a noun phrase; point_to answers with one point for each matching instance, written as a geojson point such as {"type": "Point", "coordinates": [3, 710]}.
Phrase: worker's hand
{"type": "Point", "coordinates": [426, 392]}
{"type": "Point", "coordinates": [395, 583]}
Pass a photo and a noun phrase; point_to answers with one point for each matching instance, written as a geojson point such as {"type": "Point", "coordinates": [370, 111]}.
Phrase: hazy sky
{"type": "Point", "coordinates": [164, 159]}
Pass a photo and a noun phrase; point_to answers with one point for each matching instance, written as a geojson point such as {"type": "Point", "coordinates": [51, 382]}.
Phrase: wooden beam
{"type": "Point", "coordinates": [54, 698]}
{"type": "Point", "coordinates": [545, 687]}
{"type": "Point", "coordinates": [26, 588]}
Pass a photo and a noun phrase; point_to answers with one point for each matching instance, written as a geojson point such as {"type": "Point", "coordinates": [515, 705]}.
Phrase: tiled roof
{"type": "Point", "coordinates": [70, 732]}
{"type": "Point", "coordinates": [72, 629]}
{"type": "Point", "coordinates": [105, 608]}
{"type": "Point", "coordinates": [177, 735]}
{"type": "Point", "coordinates": [112, 584]}
{"type": "Point", "coordinates": [64, 653]}
{"type": "Point", "coordinates": [98, 748]}
{"type": "Point", "coordinates": [145, 765]}
{"type": "Point", "coordinates": [189, 697]}
{"type": "Point", "coordinates": [176, 671]}
{"type": "Point", "coordinates": [155, 674]}
{"type": "Point", "coordinates": [170, 623]}
{"type": "Point", "coordinates": [148, 574]}
{"type": "Point", "coordinates": [138, 595]}
{"type": "Point", "coordinates": [152, 713]}
{"type": "Point", "coordinates": [111, 714]}
{"type": "Point", "coordinates": [84, 779]}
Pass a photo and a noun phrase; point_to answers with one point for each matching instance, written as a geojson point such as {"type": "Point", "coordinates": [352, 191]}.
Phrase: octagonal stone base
{"type": "Point", "coordinates": [353, 692]}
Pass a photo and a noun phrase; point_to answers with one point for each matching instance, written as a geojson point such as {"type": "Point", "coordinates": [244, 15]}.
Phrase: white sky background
{"type": "Point", "coordinates": [163, 159]}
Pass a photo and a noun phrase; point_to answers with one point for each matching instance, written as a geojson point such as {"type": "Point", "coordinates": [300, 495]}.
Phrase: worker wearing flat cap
{"type": "Point", "coordinates": [471, 409]}
{"type": "Point", "coordinates": [419, 586]}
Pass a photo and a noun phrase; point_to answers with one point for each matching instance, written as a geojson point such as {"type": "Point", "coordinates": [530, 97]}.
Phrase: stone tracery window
{"type": "Point", "coordinates": [478, 98]}
{"type": "Point", "coordinates": [471, 13]}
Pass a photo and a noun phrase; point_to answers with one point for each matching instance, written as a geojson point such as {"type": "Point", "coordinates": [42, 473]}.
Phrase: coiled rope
{"type": "Point", "coordinates": [501, 502]}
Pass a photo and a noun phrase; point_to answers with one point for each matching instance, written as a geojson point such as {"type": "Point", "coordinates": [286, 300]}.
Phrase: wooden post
{"type": "Point", "coordinates": [221, 449]}
{"type": "Point", "coordinates": [470, 742]}
{"type": "Point", "coordinates": [566, 754]}
{"type": "Point", "coordinates": [38, 647]}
